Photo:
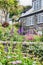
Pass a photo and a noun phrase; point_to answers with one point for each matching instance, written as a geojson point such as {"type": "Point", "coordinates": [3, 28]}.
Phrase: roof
{"type": "Point", "coordinates": [29, 13]}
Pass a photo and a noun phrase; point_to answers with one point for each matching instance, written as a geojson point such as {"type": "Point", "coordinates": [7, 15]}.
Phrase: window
{"type": "Point", "coordinates": [40, 18]}
{"type": "Point", "coordinates": [32, 20]}
{"type": "Point", "coordinates": [34, 5]}
{"type": "Point", "coordinates": [28, 21]}
{"type": "Point", "coordinates": [37, 4]}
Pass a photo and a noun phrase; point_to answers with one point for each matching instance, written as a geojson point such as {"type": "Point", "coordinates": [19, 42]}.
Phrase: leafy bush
{"type": "Point", "coordinates": [41, 38]}
{"type": "Point", "coordinates": [32, 38]}
{"type": "Point", "coordinates": [1, 32]}
{"type": "Point", "coordinates": [36, 38]}
{"type": "Point", "coordinates": [29, 37]}
{"type": "Point", "coordinates": [15, 54]}
{"type": "Point", "coordinates": [0, 35]}
{"type": "Point", "coordinates": [17, 25]}
{"type": "Point", "coordinates": [6, 57]}
{"type": "Point", "coordinates": [35, 50]}
{"type": "Point", "coordinates": [10, 33]}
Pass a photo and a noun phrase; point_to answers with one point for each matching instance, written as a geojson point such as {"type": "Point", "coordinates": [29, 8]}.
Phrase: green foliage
{"type": "Point", "coordinates": [8, 4]}
{"type": "Point", "coordinates": [2, 55]}
{"type": "Point", "coordinates": [26, 8]}
{"type": "Point", "coordinates": [41, 39]}
{"type": "Point", "coordinates": [15, 54]}
{"type": "Point", "coordinates": [36, 38]}
{"type": "Point", "coordinates": [17, 37]}
{"type": "Point", "coordinates": [35, 50]}
{"type": "Point", "coordinates": [17, 25]}
{"type": "Point", "coordinates": [0, 34]}
{"type": "Point", "coordinates": [6, 57]}
{"type": "Point", "coordinates": [8, 7]}
{"type": "Point", "coordinates": [7, 34]}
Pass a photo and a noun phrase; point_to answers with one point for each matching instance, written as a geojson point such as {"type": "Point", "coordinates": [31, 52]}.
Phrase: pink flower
{"type": "Point", "coordinates": [29, 37]}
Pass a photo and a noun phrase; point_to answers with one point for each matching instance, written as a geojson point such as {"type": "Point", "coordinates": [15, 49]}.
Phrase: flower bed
{"type": "Point", "coordinates": [14, 56]}
{"type": "Point", "coordinates": [10, 33]}
{"type": "Point", "coordinates": [15, 50]}
{"type": "Point", "coordinates": [27, 53]}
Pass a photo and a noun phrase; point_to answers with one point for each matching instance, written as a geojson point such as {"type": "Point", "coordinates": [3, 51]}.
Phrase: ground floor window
{"type": "Point", "coordinates": [40, 18]}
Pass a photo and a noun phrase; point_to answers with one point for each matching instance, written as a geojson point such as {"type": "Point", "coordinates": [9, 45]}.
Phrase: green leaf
{"type": "Point", "coordinates": [0, 63]}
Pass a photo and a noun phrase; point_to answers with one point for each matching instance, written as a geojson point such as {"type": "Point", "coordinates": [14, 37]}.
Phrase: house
{"type": "Point", "coordinates": [33, 19]}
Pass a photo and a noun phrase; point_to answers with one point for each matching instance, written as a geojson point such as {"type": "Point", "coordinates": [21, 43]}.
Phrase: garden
{"type": "Point", "coordinates": [14, 33]}
{"type": "Point", "coordinates": [16, 48]}
{"type": "Point", "coordinates": [20, 49]}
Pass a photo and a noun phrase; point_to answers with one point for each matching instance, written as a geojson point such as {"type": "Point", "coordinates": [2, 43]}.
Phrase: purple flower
{"type": "Point", "coordinates": [20, 30]}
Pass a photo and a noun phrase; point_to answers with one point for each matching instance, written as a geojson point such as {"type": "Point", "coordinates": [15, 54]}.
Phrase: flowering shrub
{"type": "Point", "coordinates": [29, 37]}
{"type": "Point", "coordinates": [16, 57]}
{"type": "Point", "coordinates": [10, 33]}
{"type": "Point", "coordinates": [33, 37]}
{"type": "Point", "coordinates": [20, 31]}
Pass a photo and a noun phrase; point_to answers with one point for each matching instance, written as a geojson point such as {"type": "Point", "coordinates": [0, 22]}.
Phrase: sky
{"type": "Point", "coordinates": [26, 2]}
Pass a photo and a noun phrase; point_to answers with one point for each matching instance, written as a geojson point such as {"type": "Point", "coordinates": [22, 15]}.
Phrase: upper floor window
{"type": "Point", "coordinates": [37, 4]}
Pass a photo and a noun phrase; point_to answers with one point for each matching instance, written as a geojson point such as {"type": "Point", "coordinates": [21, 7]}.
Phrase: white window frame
{"type": "Point", "coordinates": [32, 20]}
{"type": "Point", "coordinates": [41, 19]}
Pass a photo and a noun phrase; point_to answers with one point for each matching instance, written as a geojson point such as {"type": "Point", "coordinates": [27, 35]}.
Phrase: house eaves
{"type": "Point", "coordinates": [33, 13]}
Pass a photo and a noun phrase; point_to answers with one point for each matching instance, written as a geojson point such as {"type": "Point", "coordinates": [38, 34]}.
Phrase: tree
{"type": "Point", "coordinates": [20, 9]}
{"type": "Point", "coordinates": [26, 8]}
{"type": "Point", "coordinates": [8, 6]}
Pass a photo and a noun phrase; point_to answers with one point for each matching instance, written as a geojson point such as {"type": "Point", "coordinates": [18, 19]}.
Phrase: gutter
{"type": "Point", "coordinates": [33, 13]}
